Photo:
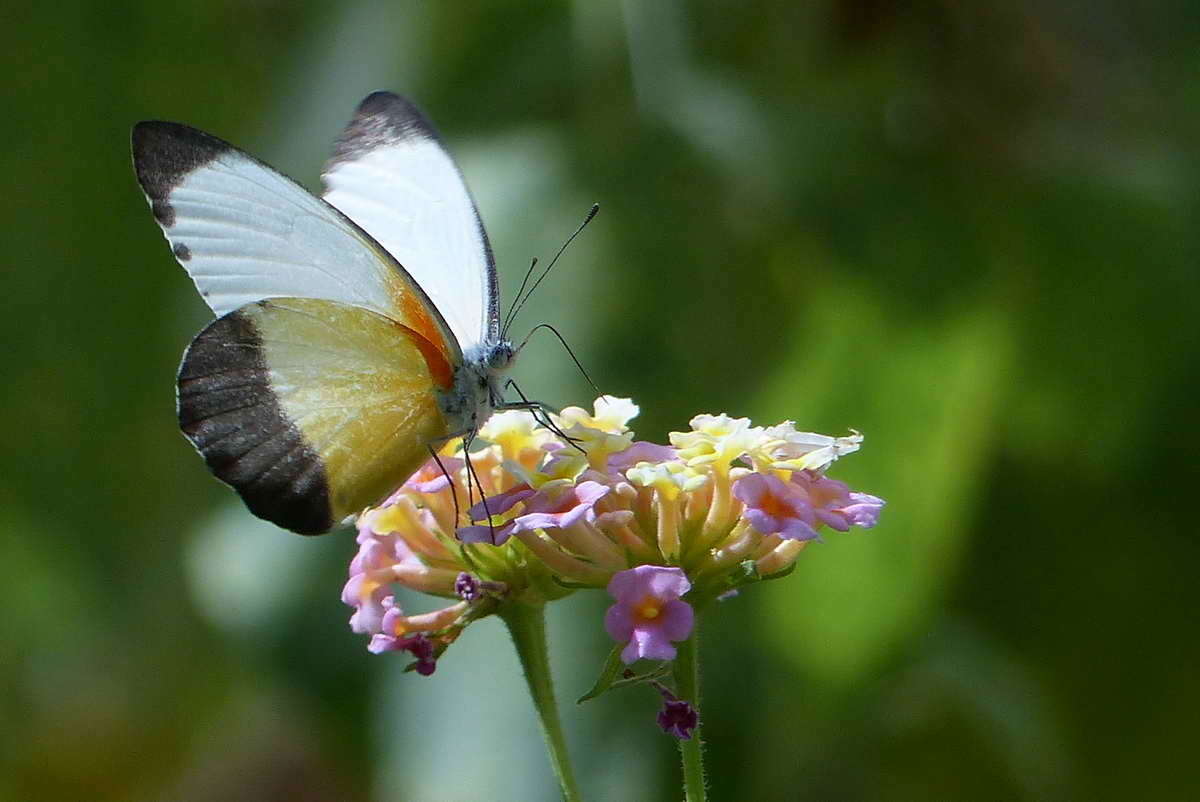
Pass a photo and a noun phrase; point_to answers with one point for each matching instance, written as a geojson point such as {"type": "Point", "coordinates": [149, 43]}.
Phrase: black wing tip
{"type": "Point", "coordinates": [382, 118]}
{"type": "Point", "coordinates": [400, 112]}
{"type": "Point", "coordinates": [165, 153]}
{"type": "Point", "coordinates": [381, 99]}
{"type": "Point", "coordinates": [170, 148]}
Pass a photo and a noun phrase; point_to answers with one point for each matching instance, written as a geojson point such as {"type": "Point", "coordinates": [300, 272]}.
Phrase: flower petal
{"type": "Point", "coordinates": [618, 623]}
{"type": "Point", "coordinates": [648, 643]}
{"type": "Point", "coordinates": [676, 619]}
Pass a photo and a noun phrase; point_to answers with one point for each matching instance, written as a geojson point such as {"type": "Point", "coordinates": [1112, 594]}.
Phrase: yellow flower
{"type": "Point", "coordinates": [612, 415]}
{"type": "Point", "coordinates": [716, 440]}
{"type": "Point", "coordinates": [518, 435]}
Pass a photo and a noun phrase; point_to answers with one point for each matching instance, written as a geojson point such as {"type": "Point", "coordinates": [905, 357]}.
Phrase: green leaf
{"type": "Point", "coordinates": [658, 673]}
{"type": "Point", "coordinates": [608, 675]}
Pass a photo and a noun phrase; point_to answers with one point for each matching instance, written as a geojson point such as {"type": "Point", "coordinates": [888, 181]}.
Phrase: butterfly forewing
{"type": "Point", "coordinates": [391, 175]}
{"type": "Point", "coordinates": [245, 232]}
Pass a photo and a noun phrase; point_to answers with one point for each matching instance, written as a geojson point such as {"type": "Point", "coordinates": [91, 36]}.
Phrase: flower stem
{"type": "Point", "coordinates": [527, 626]}
{"type": "Point", "coordinates": [687, 686]}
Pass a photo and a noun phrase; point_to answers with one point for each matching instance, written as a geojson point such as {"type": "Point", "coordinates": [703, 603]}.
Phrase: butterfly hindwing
{"type": "Point", "coordinates": [310, 409]}
{"type": "Point", "coordinates": [392, 176]}
{"type": "Point", "coordinates": [245, 232]}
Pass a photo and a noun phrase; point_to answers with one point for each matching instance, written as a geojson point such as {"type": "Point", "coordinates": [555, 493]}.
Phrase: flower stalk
{"type": "Point", "coordinates": [687, 687]}
{"type": "Point", "coordinates": [527, 625]}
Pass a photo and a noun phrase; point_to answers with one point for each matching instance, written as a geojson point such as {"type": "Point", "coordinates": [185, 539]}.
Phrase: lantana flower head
{"type": "Point", "coordinates": [549, 506]}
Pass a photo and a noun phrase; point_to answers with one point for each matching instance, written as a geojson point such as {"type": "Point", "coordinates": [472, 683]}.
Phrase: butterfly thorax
{"type": "Point", "coordinates": [476, 389]}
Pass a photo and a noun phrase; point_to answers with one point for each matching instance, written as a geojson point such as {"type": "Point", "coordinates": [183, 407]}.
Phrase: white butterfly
{"type": "Point", "coordinates": [353, 331]}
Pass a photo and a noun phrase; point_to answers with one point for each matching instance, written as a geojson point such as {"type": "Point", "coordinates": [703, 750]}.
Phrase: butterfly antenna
{"type": "Point", "coordinates": [521, 302]}
{"type": "Point", "coordinates": [524, 281]}
{"type": "Point", "coordinates": [562, 340]}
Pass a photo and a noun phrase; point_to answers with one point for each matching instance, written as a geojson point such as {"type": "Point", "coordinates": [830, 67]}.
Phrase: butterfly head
{"type": "Point", "coordinates": [499, 356]}
{"type": "Point", "coordinates": [476, 390]}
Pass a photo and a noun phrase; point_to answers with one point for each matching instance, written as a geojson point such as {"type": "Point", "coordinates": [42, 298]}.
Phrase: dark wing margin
{"type": "Point", "coordinates": [381, 119]}
{"type": "Point", "coordinates": [229, 411]}
{"type": "Point", "coordinates": [385, 119]}
{"type": "Point", "coordinates": [164, 153]}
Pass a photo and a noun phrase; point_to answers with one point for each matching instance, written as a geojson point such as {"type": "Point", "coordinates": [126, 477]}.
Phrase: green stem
{"type": "Point", "coordinates": [527, 625]}
{"type": "Point", "coordinates": [687, 685]}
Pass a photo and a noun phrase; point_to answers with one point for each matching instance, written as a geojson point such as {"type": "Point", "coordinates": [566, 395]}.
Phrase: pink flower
{"type": "Point", "coordinates": [500, 503]}
{"type": "Point", "coordinates": [649, 613]}
{"type": "Point", "coordinates": [481, 533]}
{"type": "Point", "coordinates": [369, 590]}
{"type": "Point", "coordinates": [640, 451]}
{"type": "Point", "coordinates": [554, 506]}
{"type": "Point", "coordinates": [863, 509]}
{"type": "Point", "coordinates": [776, 507]}
{"type": "Point", "coordinates": [836, 505]}
{"type": "Point", "coordinates": [432, 476]}
{"type": "Point", "coordinates": [560, 506]}
{"type": "Point", "coordinates": [371, 598]}
{"type": "Point", "coordinates": [494, 505]}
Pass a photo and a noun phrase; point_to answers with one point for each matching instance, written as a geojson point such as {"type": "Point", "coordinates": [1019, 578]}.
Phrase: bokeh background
{"type": "Point", "coordinates": [969, 230]}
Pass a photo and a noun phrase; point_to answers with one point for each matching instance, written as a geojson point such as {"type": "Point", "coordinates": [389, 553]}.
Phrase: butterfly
{"type": "Point", "coordinates": [353, 332]}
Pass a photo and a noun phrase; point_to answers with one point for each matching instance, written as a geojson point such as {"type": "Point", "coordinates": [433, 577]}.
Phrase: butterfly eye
{"type": "Point", "coordinates": [500, 355]}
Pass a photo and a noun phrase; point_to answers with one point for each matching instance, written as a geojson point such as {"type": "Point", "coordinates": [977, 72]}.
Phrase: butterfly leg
{"type": "Point", "coordinates": [536, 407]}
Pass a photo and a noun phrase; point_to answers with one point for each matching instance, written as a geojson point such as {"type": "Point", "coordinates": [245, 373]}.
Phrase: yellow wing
{"type": "Point", "coordinates": [310, 409]}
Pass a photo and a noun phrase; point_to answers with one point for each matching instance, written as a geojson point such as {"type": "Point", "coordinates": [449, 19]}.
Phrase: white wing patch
{"type": "Point", "coordinates": [391, 176]}
{"type": "Point", "coordinates": [244, 232]}
{"type": "Point", "coordinates": [253, 235]}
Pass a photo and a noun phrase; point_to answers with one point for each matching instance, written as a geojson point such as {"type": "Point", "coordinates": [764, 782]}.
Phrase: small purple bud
{"type": "Point", "coordinates": [467, 587]}
{"type": "Point", "coordinates": [418, 645]}
{"type": "Point", "coordinates": [421, 647]}
{"type": "Point", "coordinates": [678, 718]}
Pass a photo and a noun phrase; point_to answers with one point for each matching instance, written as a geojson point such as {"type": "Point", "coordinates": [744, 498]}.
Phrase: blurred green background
{"type": "Point", "coordinates": [968, 230]}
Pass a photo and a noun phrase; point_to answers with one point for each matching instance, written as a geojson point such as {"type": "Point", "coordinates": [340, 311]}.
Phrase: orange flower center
{"type": "Point", "coordinates": [648, 608]}
{"type": "Point", "coordinates": [775, 507]}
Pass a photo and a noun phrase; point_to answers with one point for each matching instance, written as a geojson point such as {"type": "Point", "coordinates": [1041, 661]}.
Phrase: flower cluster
{"type": "Point", "coordinates": [575, 501]}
